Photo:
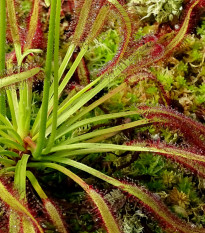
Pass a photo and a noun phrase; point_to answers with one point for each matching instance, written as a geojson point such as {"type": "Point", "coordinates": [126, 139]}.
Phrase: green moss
{"type": "Point", "coordinates": [26, 6]}
{"type": "Point", "coordinates": [162, 11]}
{"type": "Point", "coordinates": [166, 78]}
{"type": "Point", "coordinates": [148, 164]}
{"type": "Point", "coordinates": [201, 30]}
{"type": "Point", "coordinates": [102, 50]}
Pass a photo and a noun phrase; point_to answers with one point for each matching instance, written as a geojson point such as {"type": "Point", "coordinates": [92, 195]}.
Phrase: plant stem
{"type": "Point", "coordinates": [56, 66]}
{"type": "Point", "coordinates": [60, 89]}
{"type": "Point", "coordinates": [49, 56]}
{"type": "Point", "coordinates": [2, 51]}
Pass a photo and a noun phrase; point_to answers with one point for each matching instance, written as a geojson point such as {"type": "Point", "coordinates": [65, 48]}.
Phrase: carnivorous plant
{"type": "Point", "coordinates": [28, 145]}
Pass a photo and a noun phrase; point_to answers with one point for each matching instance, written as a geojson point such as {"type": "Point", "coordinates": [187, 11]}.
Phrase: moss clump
{"type": "Point", "coordinates": [102, 50]}
{"type": "Point", "coordinates": [162, 11]}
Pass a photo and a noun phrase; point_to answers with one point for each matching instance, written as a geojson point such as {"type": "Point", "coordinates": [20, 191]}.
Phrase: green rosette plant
{"type": "Point", "coordinates": [48, 142]}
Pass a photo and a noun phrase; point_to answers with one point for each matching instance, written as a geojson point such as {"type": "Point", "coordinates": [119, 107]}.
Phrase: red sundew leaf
{"type": "Point", "coordinates": [13, 22]}
{"type": "Point", "coordinates": [14, 27]}
{"type": "Point", "coordinates": [34, 31]}
{"type": "Point", "coordinates": [196, 167]}
{"type": "Point", "coordinates": [142, 57]}
{"type": "Point", "coordinates": [67, 6]}
{"type": "Point", "coordinates": [151, 202]}
{"type": "Point", "coordinates": [152, 49]}
{"type": "Point", "coordinates": [127, 30]}
{"type": "Point", "coordinates": [27, 225]}
{"type": "Point", "coordinates": [202, 3]}
{"type": "Point", "coordinates": [94, 11]}
{"type": "Point", "coordinates": [8, 197]}
{"type": "Point", "coordinates": [14, 222]}
{"type": "Point", "coordinates": [182, 31]}
{"type": "Point", "coordinates": [133, 80]}
{"type": "Point", "coordinates": [104, 211]}
{"type": "Point", "coordinates": [82, 14]}
{"type": "Point", "coordinates": [144, 40]}
{"type": "Point", "coordinates": [54, 215]}
{"type": "Point", "coordinates": [92, 15]}
{"type": "Point", "coordinates": [195, 15]}
{"type": "Point", "coordinates": [38, 39]}
{"type": "Point", "coordinates": [191, 158]}
{"type": "Point", "coordinates": [193, 131]}
{"type": "Point", "coordinates": [156, 207]}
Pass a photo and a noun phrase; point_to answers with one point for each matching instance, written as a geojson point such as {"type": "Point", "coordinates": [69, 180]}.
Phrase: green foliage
{"type": "Point", "coordinates": [148, 164]}
{"type": "Point", "coordinates": [102, 50]}
{"type": "Point", "coordinates": [187, 186]}
{"type": "Point", "coordinates": [38, 136]}
{"type": "Point", "coordinates": [162, 11]}
{"type": "Point", "coordinates": [201, 30]}
{"type": "Point", "coordinates": [26, 6]}
{"type": "Point", "coordinates": [142, 31]}
{"type": "Point", "coordinates": [166, 78]}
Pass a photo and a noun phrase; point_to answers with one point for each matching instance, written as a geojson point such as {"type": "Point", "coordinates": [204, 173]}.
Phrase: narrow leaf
{"type": "Point", "coordinates": [108, 219]}
{"type": "Point", "coordinates": [33, 23]}
{"type": "Point", "coordinates": [10, 200]}
{"type": "Point", "coordinates": [14, 27]}
{"type": "Point", "coordinates": [16, 78]}
{"type": "Point", "coordinates": [151, 202]}
{"type": "Point", "coordinates": [49, 206]}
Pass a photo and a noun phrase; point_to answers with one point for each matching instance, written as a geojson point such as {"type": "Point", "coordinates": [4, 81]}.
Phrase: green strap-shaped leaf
{"type": "Point", "coordinates": [13, 133]}
{"type": "Point", "coordinates": [20, 176]}
{"type": "Point", "coordinates": [16, 78]}
{"type": "Point", "coordinates": [147, 199]}
{"type": "Point", "coordinates": [5, 120]}
{"type": "Point", "coordinates": [64, 130]}
{"type": "Point", "coordinates": [49, 206]}
{"type": "Point", "coordinates": [48, 67]}
{"type": "Point", "coordinates": [7, 170]}
{"type": "Point", "coordinates": [11, 144]}
{"type": "Point", "coordinates": [107, 217]}
{"type": "Point", "coordinates": [7, 162]}
{"type": "Point", "coordinates": [142, 147]}
{"type": "Point", "coordinates": [10, 154]}
{"type": "Point", "coordinates": [106, 131]}
{"type": "Point", "coordinates": [76, 97]}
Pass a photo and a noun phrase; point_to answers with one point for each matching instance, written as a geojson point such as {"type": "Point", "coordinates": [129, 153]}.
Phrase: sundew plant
{"type": "Point", "coordinates": [30, 145]}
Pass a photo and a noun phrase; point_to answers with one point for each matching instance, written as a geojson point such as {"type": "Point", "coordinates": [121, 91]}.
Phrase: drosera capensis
{"type": "Point", "coordinates": [28, 145]}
